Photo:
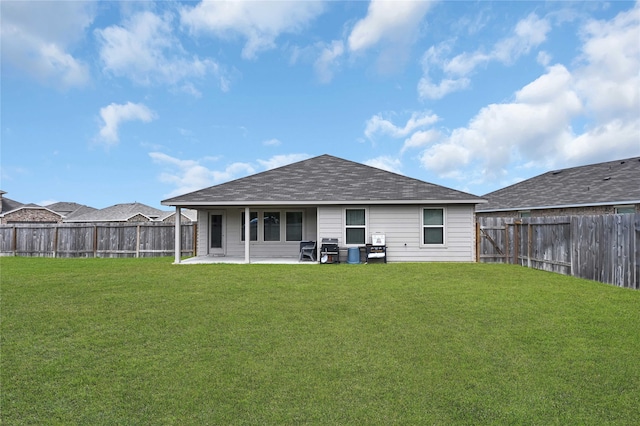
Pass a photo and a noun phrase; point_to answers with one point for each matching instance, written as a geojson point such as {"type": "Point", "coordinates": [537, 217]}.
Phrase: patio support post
{"type": "Point", "coordinates": [178, 239]}
{"type": "Point", "coordinates": [247, 235]}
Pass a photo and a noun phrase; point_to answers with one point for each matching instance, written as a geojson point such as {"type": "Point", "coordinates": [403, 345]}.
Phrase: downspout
{"type": "Point", "coordinates": [178, 237]}
{"type": "Point", "coordinates": [247, 235]}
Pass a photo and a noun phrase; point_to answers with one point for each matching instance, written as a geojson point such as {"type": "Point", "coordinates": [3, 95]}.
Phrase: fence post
{"type": "Point", "coordinates": [529, 242]}
{"type": "Point", "coordinates": [516, 242]}
{"type": "Point", "coordinates": [95, 240]}
{"type": "Point", "coordinates": [506, 242]}
{"type": "Point", "coordinates": [55, 241]}
{"type": "Point", "coordinates": [138, 241]}
{"type": "Point", "coordinates": [14, 241]}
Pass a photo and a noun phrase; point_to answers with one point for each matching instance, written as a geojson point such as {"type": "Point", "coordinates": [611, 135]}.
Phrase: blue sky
{"type": "Point", "coordinates": [115, 102]}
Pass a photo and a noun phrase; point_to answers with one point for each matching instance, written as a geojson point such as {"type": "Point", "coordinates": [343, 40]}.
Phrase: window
{"type": "Point", "coordinates": [524, 213]}
{"type": "Point", "coordinates": [253, 229]}
{"type": "Point", "coordinates": [355, 226]}
{"type": "Point", "coordinates": [294, 226]}
{"type": "Point", "coordinates": [433, 226]}
{"type": "Point", "coordinates": [271, 226]}
{"type": "Point", "coordinates": [625, 209]}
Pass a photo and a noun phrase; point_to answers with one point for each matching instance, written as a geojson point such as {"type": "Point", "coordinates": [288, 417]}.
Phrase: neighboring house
{"type": "Point", "coordinates": [70, 210]}
{"type": "Point", "coordinates": [30, 213]}
{"type": "Point", "coordinates": [188, 216]}
{"type": "Point", "coordinates": [128, 212]}
{"type": "Point", "coordinates": [7, 204]}
{"type": "Point", "coordinates": [603, 188]}
{"type": "Point", "coordinates": [328, 197]}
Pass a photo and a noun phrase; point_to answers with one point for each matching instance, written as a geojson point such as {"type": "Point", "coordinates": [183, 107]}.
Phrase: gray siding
{"type": "Point", "coordinates": [402, 228]}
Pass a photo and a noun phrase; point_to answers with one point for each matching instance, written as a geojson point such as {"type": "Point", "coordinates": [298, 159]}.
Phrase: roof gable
{"type": "Point", "coordinates": [611, 182]}
{"type": "Point", "coordinates": [30, 206]}
{"type": "Point", "coordinates": [322, 179]}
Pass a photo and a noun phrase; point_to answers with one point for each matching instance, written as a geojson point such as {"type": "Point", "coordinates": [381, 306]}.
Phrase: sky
{"type": "Point", "coordinates": [108, 102]}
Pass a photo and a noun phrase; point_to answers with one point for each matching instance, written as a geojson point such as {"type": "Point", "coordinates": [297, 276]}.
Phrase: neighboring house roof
{"type": "Point", "coordinates": [323, 180]}
{"type": "Point", "coordinates": [9, 205]}
{"type": "Point", "coordinates": [29, 206]}
{"type": "Point", "coordinates": [609, 183]}
{"type": "Point", "coordinates": [192, 215]}
{"type": "Point", "coordinates": [118, 213]}
{"type": "Point", "coordinates": [70, 210]}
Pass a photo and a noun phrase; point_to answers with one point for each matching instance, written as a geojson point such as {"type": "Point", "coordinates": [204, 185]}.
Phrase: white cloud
{"type": "Point", "coordinates": [387, 20]}
{"type": "Point", "coordinates": [379, 125]}
{"type": "Point", "coordinates": [190, 175]}
{"type": "Point", "coordinates": [610, 79]}
{"type": "Point", "coordinates": [528, 33]}
{"type": "Point", "coordinates": [114, 114]}
{"type": "Point", "coordinates": [385, 162]}
{"type": "Point", "coordinates": [145, 50]}
{"type": "Point", "coordinates": [537, 127]}
{"type": "Point", "coordinates": [272, 142]}
{"type": "Point", "coordinates": [533, 125]}
{"type": "Point", "coordinates": [282, 160]}
{"type": "Point", "coordinates": [260, 23]}
{"type": "Point", "coordinates": [420, 138]}
{"type": "Point", "coordinates": [37, 38]}
{"type": "Point", "coordinates": [327, 62]}
{"type": "Point", "coordinates": [427, 89]}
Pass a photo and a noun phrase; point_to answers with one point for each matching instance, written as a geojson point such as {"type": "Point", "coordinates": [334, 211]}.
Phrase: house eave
{"type": "Point", "coordinates": [201, 204]}
{"type": "Point", "coordinates": [559, 206]}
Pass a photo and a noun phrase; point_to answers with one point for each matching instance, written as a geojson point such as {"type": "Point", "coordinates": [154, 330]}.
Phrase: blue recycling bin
{"type": "Point", "coordinates": [353, 255]}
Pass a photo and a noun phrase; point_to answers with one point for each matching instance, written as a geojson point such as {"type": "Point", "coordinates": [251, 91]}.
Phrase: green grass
{"type": "Point", "coordinates": [126, 341]}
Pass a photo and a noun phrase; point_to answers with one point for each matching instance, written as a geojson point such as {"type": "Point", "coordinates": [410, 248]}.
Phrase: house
{"type": "Point", "coordinates": [70, 210]}
{"type": "Point", "coordinates": [30, 213]}
{"type": "Point", "coordinates": [14, 212]}
{"type": "Point", "coordinates": [126, 212]}
{"type": "Point", "coordinates": [602, 188]}
{"type": "Point", "coordinates": [129, 212]}
{"type": "Point", "coordinates": [329, 197]}
{"type": "Point", "coordinates": [188, 216]}
{"type": "Point", "coordinates": [7, 205]}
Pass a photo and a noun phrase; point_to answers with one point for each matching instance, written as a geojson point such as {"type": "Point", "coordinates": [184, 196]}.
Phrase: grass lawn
{"type": "Point", "coordinates": [141, 341]}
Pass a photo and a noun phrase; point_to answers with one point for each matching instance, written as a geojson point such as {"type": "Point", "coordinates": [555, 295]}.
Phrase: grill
{"type": "Point", "coordinates": [329, 252]}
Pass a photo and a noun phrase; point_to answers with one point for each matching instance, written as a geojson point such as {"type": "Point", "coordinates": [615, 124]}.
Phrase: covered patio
{"type": "Point", "coordinates": [204, 260]}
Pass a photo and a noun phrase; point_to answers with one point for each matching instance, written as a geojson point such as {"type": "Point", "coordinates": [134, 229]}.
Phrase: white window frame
{"type": "Point", "coordinates": [443, 226]}
{"type": "Point", "coordinates": [345, 226]}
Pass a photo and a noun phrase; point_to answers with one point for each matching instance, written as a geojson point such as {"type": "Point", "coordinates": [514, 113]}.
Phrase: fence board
{"type": "Point", "coordinates": [94, 240]}
{"type": "Point", "coordinates": [603, 248]}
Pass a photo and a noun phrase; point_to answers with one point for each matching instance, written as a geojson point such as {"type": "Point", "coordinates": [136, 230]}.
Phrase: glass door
{"type": "Point", "coordinates": [216, 233]}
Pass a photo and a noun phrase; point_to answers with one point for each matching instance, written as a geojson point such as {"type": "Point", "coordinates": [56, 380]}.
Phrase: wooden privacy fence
{"type": "Point", "coordinates": [95, 240]}
{"type": "Point", "coordinates": [603, 248]}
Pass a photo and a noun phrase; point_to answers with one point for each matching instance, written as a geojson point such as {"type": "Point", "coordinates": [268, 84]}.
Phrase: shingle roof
{"type": "Point", "coordinates": [613, 182]}
{"type": "Point", "coordinates": [69, 209]}
{"type": "Point", "coordinates": [118, 213]}
{"type": "Point", "coordinates": [324, 179]}
{"type": "Point", "coordinates": [9, 205]}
